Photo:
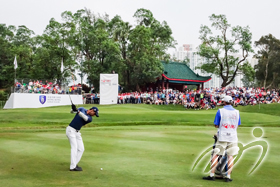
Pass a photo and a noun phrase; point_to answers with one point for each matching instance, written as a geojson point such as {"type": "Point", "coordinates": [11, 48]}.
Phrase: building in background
{"type": "Point", "coordinates": [188, 51]}
{"type": "Point", "coordinates": [253, 62]}
{"type": "Point", "coordinates": [182, 53]}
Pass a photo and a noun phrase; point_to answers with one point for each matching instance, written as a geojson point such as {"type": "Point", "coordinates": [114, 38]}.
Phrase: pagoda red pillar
{"type": "Point", "coordinates": [162, 86]}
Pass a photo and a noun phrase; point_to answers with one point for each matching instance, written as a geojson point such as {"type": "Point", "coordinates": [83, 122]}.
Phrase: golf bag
{"type": "Point", "coordinates": [222, 166]}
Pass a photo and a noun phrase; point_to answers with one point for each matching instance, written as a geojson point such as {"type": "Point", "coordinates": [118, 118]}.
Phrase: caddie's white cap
{"type": "Point", "coordinates": [227, 99]}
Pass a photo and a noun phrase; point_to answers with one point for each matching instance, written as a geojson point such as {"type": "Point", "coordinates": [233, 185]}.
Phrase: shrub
{"type": "Point", "coordinates": [3, 95]}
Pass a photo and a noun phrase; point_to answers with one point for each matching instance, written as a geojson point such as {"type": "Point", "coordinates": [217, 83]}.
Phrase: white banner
{"type": "Point", "coordinates": [109, 84]}
{"type": "Point", "coordinates": [22, 100]}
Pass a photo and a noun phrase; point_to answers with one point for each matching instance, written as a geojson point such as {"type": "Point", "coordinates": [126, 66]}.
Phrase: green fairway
{"type": "Point", "coordinates": [136, 145]}
{"type": "Point", "coordinates": [116, 115]}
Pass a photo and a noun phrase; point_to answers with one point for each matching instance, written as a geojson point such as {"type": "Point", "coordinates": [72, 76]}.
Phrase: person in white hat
{"type": "Point", "coordinates": [227, 120]}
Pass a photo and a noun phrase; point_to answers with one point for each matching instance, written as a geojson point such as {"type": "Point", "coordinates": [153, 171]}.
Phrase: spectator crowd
{"type": "Point", "coordinates": [45, 87]}
{"type": "Point", "coordinates": [91, 98]}
{"type": "Point", "coordinates": [208, 98]}
{"type": "Point", "coordinates": [203, 99]}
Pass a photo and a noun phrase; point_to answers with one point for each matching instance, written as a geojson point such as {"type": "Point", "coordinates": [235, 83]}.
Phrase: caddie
{"type": "Point", "coordinates": [227, 120]}
{"type": "Point", "coordinates": [73, 133]}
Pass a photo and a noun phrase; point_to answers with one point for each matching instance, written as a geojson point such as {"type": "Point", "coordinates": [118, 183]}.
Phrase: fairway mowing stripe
{"type": "Point", "coordinates": [58, 136]}
{"type": "Point", "coordinates": [124, 162]}
{"type": "Point", "coordinates": [33, 148]}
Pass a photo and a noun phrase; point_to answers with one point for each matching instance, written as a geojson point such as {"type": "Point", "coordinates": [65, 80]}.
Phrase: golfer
{"type": "Point", "coordinates": [73, 133]}
{"type": "Point", "coordinates": [227, 120]}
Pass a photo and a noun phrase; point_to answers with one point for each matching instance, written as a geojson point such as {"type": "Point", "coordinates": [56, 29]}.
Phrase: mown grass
{"type": "Point", "coordinates": [136, 145]}
{"type": "Point", "coordinates": [128, 115]}
{"type": "Point", "coordinates": [130, 156]}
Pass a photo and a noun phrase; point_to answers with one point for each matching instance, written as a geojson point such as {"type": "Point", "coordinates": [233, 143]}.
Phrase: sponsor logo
{"type": "Point", "coordinates": [231, 117]}
{"type": "Point", "coordinates": [42, 99]}
{"type": "Point", "coordinates": [228, 126]}
{"type": "Point", "coordinates": [109, 82]}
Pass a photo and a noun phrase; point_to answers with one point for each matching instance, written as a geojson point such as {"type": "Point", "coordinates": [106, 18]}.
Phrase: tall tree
{"type": "Point", "coordinates": [119, 31]}
{"type": "Point", "coordinates": [23, 47]}
{"type": "Point", "coordinates": [249, 75]}
{"type": "Point", "coordinates": [222, 52]}
{"type": "Point", "coordinates": [96, 52]}
{"type": "Point", "coordinates": [53, 48]}
{"type": "Point", "coordinates": [6, 55]}
{"type": "Point", "coordinates": [15, 42]}
{"type": "Point", "coordinates": [268, 56]}
{"type": "Point", "coordinates": [142, 47]}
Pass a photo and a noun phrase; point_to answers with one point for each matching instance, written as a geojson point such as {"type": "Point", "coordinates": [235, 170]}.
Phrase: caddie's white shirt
{"type": "Point", "coordinates": [228, 125]}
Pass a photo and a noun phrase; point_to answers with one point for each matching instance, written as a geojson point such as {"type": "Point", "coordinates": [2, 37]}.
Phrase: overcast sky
{"type": "Point", "coordinates": [183, 16]}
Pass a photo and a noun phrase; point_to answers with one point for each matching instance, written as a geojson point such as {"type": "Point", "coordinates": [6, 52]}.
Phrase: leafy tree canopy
{"type": "Point", "coordinates": [268, 55]}
{"type": "Point", "coordinates": [226, 52]}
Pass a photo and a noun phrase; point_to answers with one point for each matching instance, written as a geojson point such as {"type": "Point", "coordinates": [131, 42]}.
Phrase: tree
{"type": "Point", "coordinates": [52, 48]}
{"type": "Point", "coordinates": [268, 56]}
{"type": "Point", "coordinates": [119, 31]}
{"type": "Point", "coordinates": [6, 55]}
{"type": "Point", "coordinates": [187, 61]}
{"type": "Point", "coordinates": [15, 42]}
{"type": "Point", "coordinates": [95, 51]}
{"type": "Point", "coordinates": [89, 43]}
{"type": "Point", "coordinates": [23, 48]}
{"type": "Point", "coordinates": [143, 47]}
{"type": "Point", "coordinates": [249, 75]}
{"type": "Point", "coordinates": [221, 51]}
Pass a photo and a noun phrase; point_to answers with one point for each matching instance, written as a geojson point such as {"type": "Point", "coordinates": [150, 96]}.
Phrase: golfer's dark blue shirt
{"type": "Point", "coordinates": [78, 121]}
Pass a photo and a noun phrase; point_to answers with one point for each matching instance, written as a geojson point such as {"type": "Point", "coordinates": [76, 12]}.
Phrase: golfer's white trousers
{"type": "Point", "coordinates": [77, 145]}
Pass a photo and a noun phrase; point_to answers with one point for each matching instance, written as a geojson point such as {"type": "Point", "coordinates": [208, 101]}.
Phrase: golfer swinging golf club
{"type": "Point", "coordinates": [227, 120]}
{"type": "Point", "coordinates": [81, 118]}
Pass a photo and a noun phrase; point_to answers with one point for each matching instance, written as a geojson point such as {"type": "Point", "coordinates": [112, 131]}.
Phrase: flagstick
{"type": "Point", "coordinates": [15, 67]}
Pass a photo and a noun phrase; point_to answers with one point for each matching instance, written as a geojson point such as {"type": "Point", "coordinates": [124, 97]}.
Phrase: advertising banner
{"type": "Point", "coordinates": [109, 89]}
{"type": "Point", "coordinates": [27, 100]}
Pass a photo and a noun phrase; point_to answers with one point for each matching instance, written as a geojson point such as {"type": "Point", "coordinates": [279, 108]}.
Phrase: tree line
{"type": "Point", "coordinates": [92, 44]}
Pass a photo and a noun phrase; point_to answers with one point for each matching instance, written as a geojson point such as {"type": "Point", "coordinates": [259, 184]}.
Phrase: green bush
{"type": "Point", "coordinates": [3, 95]}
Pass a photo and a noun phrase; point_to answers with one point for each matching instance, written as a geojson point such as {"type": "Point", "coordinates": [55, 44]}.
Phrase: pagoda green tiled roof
{"type": "Point", "coordinates": [180, 72]}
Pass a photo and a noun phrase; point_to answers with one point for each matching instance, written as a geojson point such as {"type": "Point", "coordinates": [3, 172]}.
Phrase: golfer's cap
{"type": "Point", "coordinates": [95, 109]}
{"type": "Point", "coordinates": [227, 99]}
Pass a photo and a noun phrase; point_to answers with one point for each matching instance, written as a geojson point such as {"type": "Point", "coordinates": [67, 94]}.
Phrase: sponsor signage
{"type": "Point", "coordinates": [27, 100]}
{"type": "Point", "coordinates": [42, 99]}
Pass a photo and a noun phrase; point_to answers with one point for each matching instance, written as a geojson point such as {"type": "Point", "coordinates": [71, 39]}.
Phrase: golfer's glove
{"type": "Point", "coordinates": [74, 108]}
